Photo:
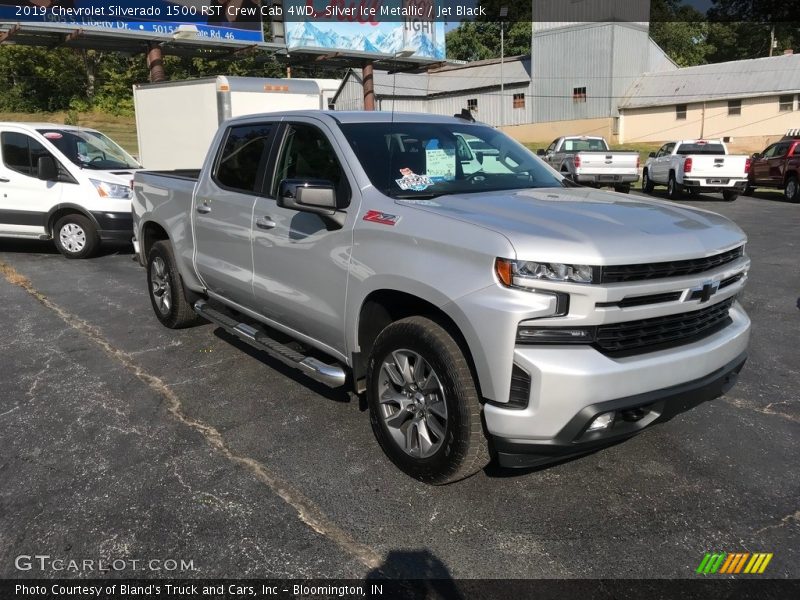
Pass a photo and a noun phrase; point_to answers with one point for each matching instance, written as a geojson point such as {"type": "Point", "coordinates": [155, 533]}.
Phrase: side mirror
{"type": "Point", "coordinates": [47, 169]}
{"type": "Point", "coordinates": [479, 157]}
{"type": "Point", "coordinates": [756, 155]}
{"type": "Point", "coordinates": [540, 152]}
{"type": "Point", "coordinates": [308, 195]}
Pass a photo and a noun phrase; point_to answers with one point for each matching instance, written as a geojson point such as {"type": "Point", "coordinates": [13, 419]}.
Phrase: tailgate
{"type": "Point", "coordinates": [609, 163]}
{"type": "Point", "coordinates": [718, 166]}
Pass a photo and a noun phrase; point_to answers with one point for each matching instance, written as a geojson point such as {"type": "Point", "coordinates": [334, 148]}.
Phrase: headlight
{"type": "Point", "coordinates": [525, 273]}
{"type": "Point", "coordinates": [112, 190]}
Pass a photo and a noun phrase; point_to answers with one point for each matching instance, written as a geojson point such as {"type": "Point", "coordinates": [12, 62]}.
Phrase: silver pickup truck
{"type": "Point", "coordinates": [588, 160]}
{"type": "Point", "coordinates": [507, 313]}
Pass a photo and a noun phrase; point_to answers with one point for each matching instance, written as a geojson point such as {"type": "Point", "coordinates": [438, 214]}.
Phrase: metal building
{"type": "Point", "coordinates": [448, 90]}
{"type": "Point", "coordinates": [583, 70]}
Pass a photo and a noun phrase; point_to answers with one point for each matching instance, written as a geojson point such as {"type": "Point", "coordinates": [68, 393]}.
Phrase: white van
{"type": "Point", "coordinates": [69, 184]}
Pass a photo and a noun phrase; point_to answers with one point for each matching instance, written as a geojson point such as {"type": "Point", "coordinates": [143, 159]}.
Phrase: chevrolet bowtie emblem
{"type": "Point", "coordinates": [705, 292]}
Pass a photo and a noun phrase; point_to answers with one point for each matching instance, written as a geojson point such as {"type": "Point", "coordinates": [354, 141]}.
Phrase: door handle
{"type": "Point", "coordinates": [4, 180]}
{"type": "Point", "coordinates": [204, 209]}
{"type": "Point", "coordinates": [265, 223]}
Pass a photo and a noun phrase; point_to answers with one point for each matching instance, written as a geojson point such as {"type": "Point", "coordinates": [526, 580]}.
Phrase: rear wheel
{"type": "Point", "coordinates": [673, 189]}
{"type": "Point", "coordinates": [730, 196]}
{"type": "Point", "coordinates": [76, 236]}
{"type": "Point", "coordinates": [166, 289]}
{"type": "Point", "coordinates": [791, 190]}
{"type": "Point", "coordinates": [424, 405]}
{"type": "Point", "coordinates": [647, 183]}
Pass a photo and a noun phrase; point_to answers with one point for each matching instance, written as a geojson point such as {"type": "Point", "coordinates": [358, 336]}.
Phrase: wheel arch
{"type": "Point", "coordinates": [152, 232]}
{"type": "Point", "coordinates": [384, 306]}
{"type": "Point", "coordinates": [62, 210]}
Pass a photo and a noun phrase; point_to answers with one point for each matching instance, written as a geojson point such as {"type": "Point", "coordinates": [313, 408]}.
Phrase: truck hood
{"type": "Point", "coordinates": [587, 226]}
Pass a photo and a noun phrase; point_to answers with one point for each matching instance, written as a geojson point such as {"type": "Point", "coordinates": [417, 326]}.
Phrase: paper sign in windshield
{"type": "Point", "coordinates": [441, 164]}
{"type": "Point", "coordinates": [413, 182]}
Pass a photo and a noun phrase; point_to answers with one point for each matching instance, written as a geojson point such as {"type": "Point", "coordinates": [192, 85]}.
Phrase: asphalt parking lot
{"type": "Point", "coordinates": [120, 439]}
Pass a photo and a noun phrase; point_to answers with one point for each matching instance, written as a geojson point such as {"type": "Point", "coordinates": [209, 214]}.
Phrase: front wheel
{"type": "Point", "coordinates": [647, 183]}
{"type": "Point", "coordinates": [424, 405]}
{"type": "Point", "coordinates": [730, 196]}
{"type": "Point", "coordinates": [166, 289]}
{"type": "Point", "coordinates": [673, 189]}
{"type": "Point", "coordinates": [791, 190]}
{"type": "Point", "coordinates": [76, 236]}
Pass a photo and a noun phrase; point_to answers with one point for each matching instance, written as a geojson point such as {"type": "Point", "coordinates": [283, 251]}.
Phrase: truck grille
{"type": "Point", "coordinates": [678, 268]}
{"type": "Point", "coordinates": [648, 335]}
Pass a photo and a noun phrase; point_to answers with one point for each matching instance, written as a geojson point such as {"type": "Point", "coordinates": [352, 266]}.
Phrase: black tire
{"type": "Point", "coordinates": [730, 196]}
{"type": "Point", "coordinates": [748, 191]}
{"type": "Point", "coordinates": [625, 188]}
{"type": "Point", "coordinates": [166, 289]}
{"type": "Point", "coordinates": [76, 236]}
{"type": "Point", "coordinates": [647, 183]}
{"type": "Point", "coordinates": [694, 193]}
{"type": "Point", "coordinates": [460, 449]}
{"type": "Point", "coordinates": [791, 190]}
{"type": "Point", "coordinates": [673, 189]}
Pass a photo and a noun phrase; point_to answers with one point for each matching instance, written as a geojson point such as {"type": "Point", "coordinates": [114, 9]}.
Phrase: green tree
{"type": "Point", "coordinates": [480, 39]}
{"type": "Point", "coordinates": [681, 31]}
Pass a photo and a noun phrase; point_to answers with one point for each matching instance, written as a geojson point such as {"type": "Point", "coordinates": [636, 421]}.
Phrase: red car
{"type": "Point", "coordinates": [778, 167]}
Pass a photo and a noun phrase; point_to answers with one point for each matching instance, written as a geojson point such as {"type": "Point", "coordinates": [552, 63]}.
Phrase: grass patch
{"type": "Point", "coordinates": [120, 129]}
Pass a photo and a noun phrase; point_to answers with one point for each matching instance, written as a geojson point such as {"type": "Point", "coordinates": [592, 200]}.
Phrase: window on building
{"type": "Point", "coordinates": [734, 107]}
{"type": "Point", "coordinates": [680, 112]}
{"type": "Point", "coordinates": [786, 103]}
{"type": "Point", "coordinates": [472, 103]}
{"type": "Point", "coordinates": [519, 100]}
{"type": "Point", "coordinates": [579, 94]}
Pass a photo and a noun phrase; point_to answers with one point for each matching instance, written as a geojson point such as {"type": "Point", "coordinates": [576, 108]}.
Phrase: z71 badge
{"type": "Point", "coordinates": [376, 216]}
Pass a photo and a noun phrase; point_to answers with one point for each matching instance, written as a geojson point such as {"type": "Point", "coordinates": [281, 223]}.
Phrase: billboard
{"type": "Point", "coordinates": [234, 20]}
{"type": "Point", "coordinates": [374, 27]}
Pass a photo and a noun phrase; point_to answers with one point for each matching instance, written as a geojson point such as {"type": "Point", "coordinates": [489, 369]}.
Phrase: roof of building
{"type": "Point", "coordinates": [451, 78]}
{"type": "Point", "coordinates": [719, 81]}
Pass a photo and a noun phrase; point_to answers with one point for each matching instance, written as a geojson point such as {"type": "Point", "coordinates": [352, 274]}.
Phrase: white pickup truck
{"type": "Point", "coordinates": [589, 161]}
{"type": "Point", "coordinates": [696, 166]}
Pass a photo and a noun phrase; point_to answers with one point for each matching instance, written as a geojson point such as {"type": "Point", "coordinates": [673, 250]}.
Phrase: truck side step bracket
{"type": "Point", "coordinates": [331, 375]}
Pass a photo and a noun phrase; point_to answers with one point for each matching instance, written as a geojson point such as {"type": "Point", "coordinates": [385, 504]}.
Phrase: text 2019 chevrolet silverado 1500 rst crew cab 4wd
{"type": "Point", "coordinates": [550, 318]}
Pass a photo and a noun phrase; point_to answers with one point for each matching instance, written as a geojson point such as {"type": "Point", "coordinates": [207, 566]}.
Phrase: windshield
{"type": "Point", "coordinates": [90, 149]}
{"type": "Point", "coordinates": [424, 160]}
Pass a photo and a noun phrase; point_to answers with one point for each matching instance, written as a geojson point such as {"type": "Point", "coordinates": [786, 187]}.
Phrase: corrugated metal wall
{"type": "Point", "coordinates": [351, 97]}
{"type": "Point", "coordinates": [489, 105]}
{"type": "Point", "coordinates": [604, 58]}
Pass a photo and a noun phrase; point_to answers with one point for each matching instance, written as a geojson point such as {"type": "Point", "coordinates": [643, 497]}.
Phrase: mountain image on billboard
{"type": "Point", "coordinates": [425, 37]}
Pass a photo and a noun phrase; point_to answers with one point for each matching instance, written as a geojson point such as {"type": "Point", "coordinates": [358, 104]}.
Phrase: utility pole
{"type": "Point", "coordinates": [771, 39]}
{"type": "Point", "coordinates": [369, 85]}
{"type": "Point", "coordinates": [503, 15]}
{"type": "Point", "coordinates": [155, 63]}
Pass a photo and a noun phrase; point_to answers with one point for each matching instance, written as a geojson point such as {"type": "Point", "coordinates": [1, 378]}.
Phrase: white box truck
{"type": "Point", "coordinates": [177, 120]}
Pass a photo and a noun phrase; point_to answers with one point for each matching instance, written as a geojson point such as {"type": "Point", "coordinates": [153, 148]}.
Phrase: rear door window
{"type": "Point", "coordinates": [242, 161]}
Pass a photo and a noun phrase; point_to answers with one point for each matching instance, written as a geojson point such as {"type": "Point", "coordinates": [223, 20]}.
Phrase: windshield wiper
{"type": "Point", "coordinates": [428, 196]}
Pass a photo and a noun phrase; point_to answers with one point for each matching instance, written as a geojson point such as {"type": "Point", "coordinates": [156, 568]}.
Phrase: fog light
{"type": "Point", "coordinates": [604, 421]}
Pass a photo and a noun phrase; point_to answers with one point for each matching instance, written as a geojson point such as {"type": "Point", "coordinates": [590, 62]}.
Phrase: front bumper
{"type": "Point", "coordinates": [569, 383]}
{"type": "Point", "coordinates": [114, 226]}
{"type": "Point", "coordinates": [635, 413]}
